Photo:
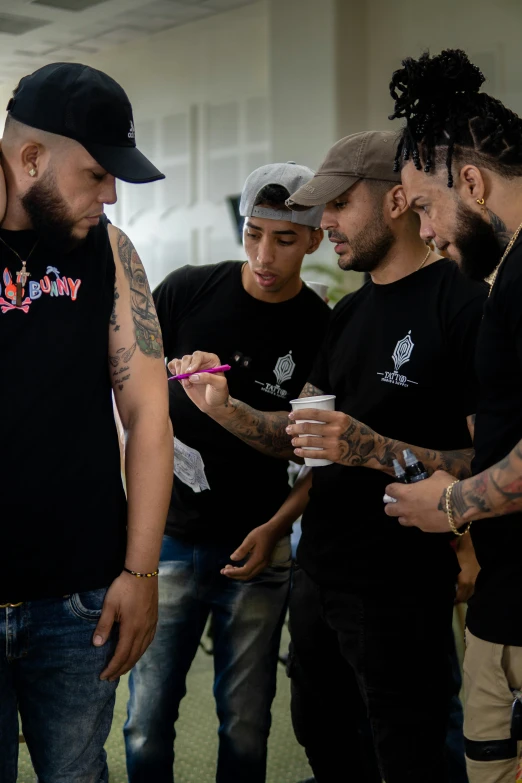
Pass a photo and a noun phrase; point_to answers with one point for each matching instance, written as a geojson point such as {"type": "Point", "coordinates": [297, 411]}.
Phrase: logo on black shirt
{"type": "Point", "coordinates": [283, 371]}
{"type": "Point", "coordinates": [400, 356]}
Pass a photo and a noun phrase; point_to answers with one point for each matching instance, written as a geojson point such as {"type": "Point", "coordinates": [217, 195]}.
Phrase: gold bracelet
{"type": "Point", "coordinates": [449, 512]}
{"type": "Point", "coordinates": [141, 576]}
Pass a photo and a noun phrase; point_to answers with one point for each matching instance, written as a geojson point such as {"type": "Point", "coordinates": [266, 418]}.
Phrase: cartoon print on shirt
{"type": "Point", "coordinates": [60, 286]}
{"type": "Point", "coordinates": [10, 293]}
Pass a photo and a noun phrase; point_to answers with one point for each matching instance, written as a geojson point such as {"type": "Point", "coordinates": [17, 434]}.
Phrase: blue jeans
{"type": "Point", "coordinates": [247, 621]}
{"type": "Point", "coordinates": [49, 673]}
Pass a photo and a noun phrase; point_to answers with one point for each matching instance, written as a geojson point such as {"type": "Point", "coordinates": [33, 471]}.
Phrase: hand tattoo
{"type": "Point", "coordinates": [309, 390]}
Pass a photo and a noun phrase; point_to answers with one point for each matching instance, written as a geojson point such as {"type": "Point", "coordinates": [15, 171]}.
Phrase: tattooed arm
{"type": "Point", "coordinates": [264, 431]}
{"type": "Point", "coordinates": [137, 373]}
{"type": "Point", "coordinates": [492, 493]}
{"type": "Point", "coordinates": [349, 442]}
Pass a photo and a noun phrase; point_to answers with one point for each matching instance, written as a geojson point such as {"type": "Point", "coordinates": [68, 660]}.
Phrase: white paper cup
{"type": "Point", "coordinates": [320, 288]}
{"type": "Point", "coordinates": [326, 402]}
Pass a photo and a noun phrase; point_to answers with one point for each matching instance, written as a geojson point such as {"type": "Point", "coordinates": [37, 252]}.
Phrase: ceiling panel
{"type": "Point", "coordinates": [12, 24]}
{"type": "Point", "coordinates": [43, 31]}
{"type": "Point", "coordinates": [69, 5]}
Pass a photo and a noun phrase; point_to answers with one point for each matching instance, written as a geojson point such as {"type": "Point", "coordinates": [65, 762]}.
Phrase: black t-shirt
{"type": "Point", "coordinates": [399, 358]}
{"type": "Point", "coordinates": [494, 610]}
{"type": "Point", "coordinates": [224, 488]}
{"type": "Point", "coordinates": [63, 510]}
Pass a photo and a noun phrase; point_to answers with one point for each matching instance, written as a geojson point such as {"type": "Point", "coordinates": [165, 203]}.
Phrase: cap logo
{"type": "Point", "coordinates": [132, 133]}
{"type": "Point", "coordinates": [309, 188]}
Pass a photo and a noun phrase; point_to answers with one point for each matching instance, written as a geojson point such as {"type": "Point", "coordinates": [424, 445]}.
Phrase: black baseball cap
{"type": "Point", "coordinates": [74, 100]}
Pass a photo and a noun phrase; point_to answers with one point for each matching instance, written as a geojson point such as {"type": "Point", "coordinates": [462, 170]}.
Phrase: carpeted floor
{"type": "Point", "coordinates": [196, 745]}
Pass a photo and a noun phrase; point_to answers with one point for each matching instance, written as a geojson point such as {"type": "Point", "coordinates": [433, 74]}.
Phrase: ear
{"type": "Point", "coordinates": [396, 202]}
{"type": "Point", "coordinates": [315, 240]}
{"type": "Point", "coordinates": [7, 277]}
{"type": "Point", "coordinates": [31, 157]}
{"type": "Point", "coordinates": [471, 184]}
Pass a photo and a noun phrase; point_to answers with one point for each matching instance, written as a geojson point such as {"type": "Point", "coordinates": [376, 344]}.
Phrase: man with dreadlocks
{"type": "Point", "coordinates": [461, 156]}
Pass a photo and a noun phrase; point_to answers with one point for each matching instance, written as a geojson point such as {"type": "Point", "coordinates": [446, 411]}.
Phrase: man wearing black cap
{"type": "Point", "coordinates": [371, 608]}
{"type": "Point", "coordinates": [78, 592]}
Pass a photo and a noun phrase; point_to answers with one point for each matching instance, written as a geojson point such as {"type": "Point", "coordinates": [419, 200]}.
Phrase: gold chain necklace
{"type": "Point", "coordinates": [23, 274]}
{"type": "Point", "coordinates": [427, 256]}
{"type": "Point", "coordinates": [493, 276]}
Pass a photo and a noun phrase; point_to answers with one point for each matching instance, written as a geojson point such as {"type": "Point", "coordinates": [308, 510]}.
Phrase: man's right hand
{"type": "Point", "coordinates": [209, 391]}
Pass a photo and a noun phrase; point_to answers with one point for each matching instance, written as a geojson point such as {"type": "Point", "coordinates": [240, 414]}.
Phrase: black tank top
{"type": "Point", "coordinates": [62, 507]}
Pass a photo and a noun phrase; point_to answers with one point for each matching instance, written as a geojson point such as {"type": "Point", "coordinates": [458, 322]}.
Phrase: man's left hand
{"type": "Point", "coordinates": [339, 438]}
{"type": "Point", "coordinates": [133, 603]}
{"type": "Point", "coordinates": [420, 505]}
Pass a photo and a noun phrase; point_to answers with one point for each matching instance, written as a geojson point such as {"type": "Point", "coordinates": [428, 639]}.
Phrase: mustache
{"type": "Point", "coordinates": [338, 237]}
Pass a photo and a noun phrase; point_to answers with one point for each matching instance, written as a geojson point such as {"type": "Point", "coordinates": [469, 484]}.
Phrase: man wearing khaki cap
{"type": "Point", "coordinates": [372, 603]}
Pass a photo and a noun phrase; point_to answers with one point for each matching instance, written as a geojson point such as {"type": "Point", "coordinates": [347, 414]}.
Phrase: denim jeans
{"type": "Point", "coordinates": [247, 621]}
{"type": "Point", "coordinates": [49, 673]}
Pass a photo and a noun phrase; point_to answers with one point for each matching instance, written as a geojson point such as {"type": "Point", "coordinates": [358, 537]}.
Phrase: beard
{"type": "Point", "coordinates": [477, 244]}
{"type": "Point", "coordinates": [50, 216]}
{"type": "Point", "coordinates": [368, 247]}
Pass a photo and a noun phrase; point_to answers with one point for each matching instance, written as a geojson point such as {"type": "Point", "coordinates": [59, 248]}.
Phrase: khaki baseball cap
{"type": "Point", "coordinates": [366, 155]}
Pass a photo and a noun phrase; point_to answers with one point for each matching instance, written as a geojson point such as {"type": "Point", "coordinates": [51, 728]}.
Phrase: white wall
{"type": "Point", "coordinates": [279, 79]}
{"type": "Point", "coordinates": [489, 32]}
{"type": "Point", "coordinates": [200, 100]}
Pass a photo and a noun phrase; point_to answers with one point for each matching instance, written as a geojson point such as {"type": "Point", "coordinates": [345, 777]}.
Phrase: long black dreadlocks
{"type": "Point", "coordinates": [446, 116]}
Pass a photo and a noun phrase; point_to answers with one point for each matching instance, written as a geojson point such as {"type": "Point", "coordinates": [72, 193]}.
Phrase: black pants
{"type": "Point", "coordinates": [366, 669]}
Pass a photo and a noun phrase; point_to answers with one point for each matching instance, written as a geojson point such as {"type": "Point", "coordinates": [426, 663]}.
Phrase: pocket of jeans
{"type": "Point", "coordinates": [282, 554]}
{"type": "Point", "coordinates": [88, 605]}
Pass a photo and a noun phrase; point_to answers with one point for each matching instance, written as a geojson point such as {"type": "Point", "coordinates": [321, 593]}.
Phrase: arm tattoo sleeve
{"type": "Point", "coordinates": [264, 431]}
{"type": "Point", "coordinates": [146, 325]}
{"type": "Point", "coordinates": [492, 493]}
{"type": "Point", "coordinates": [119, 361]}
{"type": "Point", "coordinates": [364, 447]}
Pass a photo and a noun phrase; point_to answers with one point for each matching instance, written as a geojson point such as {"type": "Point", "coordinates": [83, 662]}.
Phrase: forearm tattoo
{"type": "Point", "coordinates": [264, 431]}
{"type": "Point", "coordinates": [360, 445]}
{"type": "Point", "coordinates": [492, 493]}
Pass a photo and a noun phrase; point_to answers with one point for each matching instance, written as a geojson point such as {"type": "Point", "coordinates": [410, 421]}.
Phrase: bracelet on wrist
{"type": "Point", "coordinates": [139, 575]}
{"type": "Point", "coordinates": [449, 513]}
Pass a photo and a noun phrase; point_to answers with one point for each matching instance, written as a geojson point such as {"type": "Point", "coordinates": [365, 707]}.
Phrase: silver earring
{"type": "Point", "coordinates": [32, 172]}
